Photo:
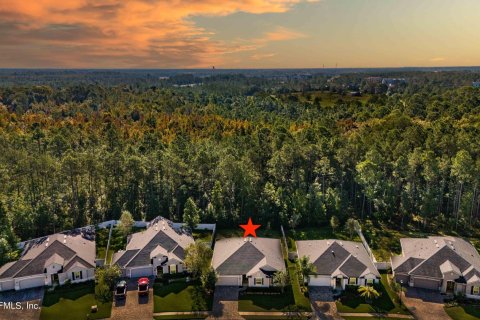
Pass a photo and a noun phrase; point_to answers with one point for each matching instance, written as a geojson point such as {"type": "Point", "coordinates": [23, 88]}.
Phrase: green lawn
{"type": "Point", "coordinates": [180, 296]}
{"type": "Point", "coordinates": [464, 312]}
{"type": "Point", "coordinates": [74, 300]}
{"type": "Point", "coordinates": [318, 233]}
{"type": "Point", "coordinates": [262, 302]}
{"type": "Point", "coordinates": [387, 302]}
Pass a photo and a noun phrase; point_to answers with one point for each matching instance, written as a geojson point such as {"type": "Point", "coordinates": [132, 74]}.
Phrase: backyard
{"type": "Point", "coordinates": [180, 296]}
{"type": "Point", "coordinates": [318, 233]}
{"type": "Point", "coordinates": [464, 312]}
{"type": "Point", "coordinates": [76, 300]}
{"type": "Point", "coordinates": [351, 301]}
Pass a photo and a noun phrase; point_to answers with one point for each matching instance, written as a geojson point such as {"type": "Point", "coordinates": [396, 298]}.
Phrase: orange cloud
{"type": "Point", "coordinates": [281, 34]}
{"type": "Point", "coordinates": [120, 33]}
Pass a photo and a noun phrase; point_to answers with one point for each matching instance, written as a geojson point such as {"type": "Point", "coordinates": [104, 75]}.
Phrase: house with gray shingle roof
{"type": "Point", "coordinates": [247, 261]}
{"type": "Point", "coordinates": [159, 249]}
{"type": "Point", "coordinates": [338, 263]}
{"type": "Point", "coordinates": [446, 264]}
{"type": "Point", "coordinates": [51, 260]}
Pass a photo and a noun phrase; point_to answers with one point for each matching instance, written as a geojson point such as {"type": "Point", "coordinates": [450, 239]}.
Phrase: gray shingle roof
{"type": "Point", "coordinates": [160, 233]}
{"type": "Point", "coordinates": [333, 256]}
{"type": "Point", "coordinates": [143, 257]}
{"type": "Point", "coordinates": [126, 257]}
{"type": "Point", "coordinates": [431, 266]}
{"type": "Point", "coordinates": [59, 248]}
{"type": "Point", "coordinates": [239, 256]}
{"type": "Point", "coordinates": [241, 261]}
{"type": "Point", "coordinates": [37, 265]}
{"type": "Point", "coordinates": [428, 256]}
{"type": "Point", "coordinates": [352, 267]}
{"type": "Point", "coordinates": [17, 266]}
{"type": "Point", "coordinates": [331, 259]}
{"type": "Point", "coordinates": [408, 265]}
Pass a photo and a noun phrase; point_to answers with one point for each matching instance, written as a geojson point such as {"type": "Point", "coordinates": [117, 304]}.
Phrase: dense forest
{"type": "Point", "coordinates": [291, 149]}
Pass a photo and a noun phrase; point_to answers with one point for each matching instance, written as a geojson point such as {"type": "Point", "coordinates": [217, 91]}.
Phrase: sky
{"type": "Point", "coordinates": [238, 34]}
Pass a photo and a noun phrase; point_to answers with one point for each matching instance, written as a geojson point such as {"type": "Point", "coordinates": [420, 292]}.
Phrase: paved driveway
{"type": "Point", "coordinates": [30, 296]}
{"type": "Point", "coordinates": [134, 306]}
{"type": "Point", "coordinates": [323, 303]}
{"type": "Point", "coordinates": [225, 303]}
{"type": "Point", "coordinates": [425, 304]}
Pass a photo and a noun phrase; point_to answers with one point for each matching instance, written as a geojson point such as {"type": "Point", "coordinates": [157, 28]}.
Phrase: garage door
{"type": "Point", "coordinates": [141, 272]}
{"type": "Point", "coordinates": [228, 281]}
{"type": "Point", "coordinates": [31, 283]}
{"type": "Point", "coordinates": [320, 281]}
{"type": "Point", "coordinates": [426, 284]}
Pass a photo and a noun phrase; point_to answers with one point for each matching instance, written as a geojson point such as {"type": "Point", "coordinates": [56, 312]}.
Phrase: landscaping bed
{"type": "Point", "coordinates": [74, 300]}
{"type": "Point", "coordinates": [180, 296]}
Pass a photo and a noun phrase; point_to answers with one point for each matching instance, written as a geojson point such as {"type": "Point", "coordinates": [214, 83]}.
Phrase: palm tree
{"type": "Point", "coordinates": [368, 292]}
{"type": "Point", "coordinates": [306, 267]}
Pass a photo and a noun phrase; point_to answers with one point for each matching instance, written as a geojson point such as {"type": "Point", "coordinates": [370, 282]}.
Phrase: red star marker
{"type": "Point", "coordinates": [250, 228]}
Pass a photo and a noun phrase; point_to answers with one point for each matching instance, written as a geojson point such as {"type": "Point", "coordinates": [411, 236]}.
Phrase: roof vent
{"type": "Point", "coordinates": [341, 243]}
{"type": "Point", "coordinates": [437, 245]}
{"type": "Point", "coordinates": [250, 239]}
{"type": "Point", "coordinates": [46, 244]}
{"type": "Point", "coordinates": [435, 241]}
{"type": "Point", "coordinates": [64, 240]}
{"type": "Point", "coordinates": [64, 236]}
{"type": "Point", "coordinates": [328, 243]}
{"type": "Point", "coordinates": [356, 246]}
{"type": "Point", "coordinates": [244, 239]}
{"type": "Point", "coordinates": [48, 239]}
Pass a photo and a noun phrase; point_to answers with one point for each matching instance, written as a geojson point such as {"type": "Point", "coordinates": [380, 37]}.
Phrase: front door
{"type": "Point", "coordinates": [450, 286]}
{"type": "Point", "coordinates": [338, 282]}
{"type": "Point", "coordinates": [54, 279]}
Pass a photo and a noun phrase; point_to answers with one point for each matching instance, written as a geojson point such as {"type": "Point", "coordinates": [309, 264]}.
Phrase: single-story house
{"type": "Point", "coordinates": [160, 249]}
{"type": "Point", "coordinates": [52, 260]}
{"type": "Point", "coordinates": [445, 264]}
{"type": "Point", "coordinates": [338, 263]}
{"type": "Point", "coordinates": [247, 261]}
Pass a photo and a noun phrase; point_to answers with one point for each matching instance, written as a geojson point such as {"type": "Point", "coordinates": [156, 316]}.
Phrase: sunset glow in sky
{"type": "Point", "coordinates": [238, 34]}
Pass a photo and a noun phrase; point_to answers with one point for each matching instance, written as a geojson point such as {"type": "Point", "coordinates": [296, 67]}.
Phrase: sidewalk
{"type": "Point", "coordinates": [378, 315]}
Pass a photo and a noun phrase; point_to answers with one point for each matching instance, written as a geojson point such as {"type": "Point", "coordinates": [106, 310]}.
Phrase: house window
{"type": "Point", "coordinates": [369, 281]}
{"type": "Point", "coordinates": [77, 275]}
{"type": "Point", "coordinates": [173, 268]}
{"type": "Point", "coordinates": [258, 281]}
{"type": "Point", "coordinates": [352, 281]}
{"type": "Point", "coordinates": [476, 290]}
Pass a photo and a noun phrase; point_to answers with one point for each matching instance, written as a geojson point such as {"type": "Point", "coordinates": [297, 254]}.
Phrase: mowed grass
{"type": "Point", "coordinates": [464, 312]}
{"type": "Point", "coordinates": [180, 296]}
{"type": "Point", "coordinates": [266, 302]}
{"type": "Point", "coordinates": [74, 301]}
{"type": "Point", "coordinates": [386, 303]}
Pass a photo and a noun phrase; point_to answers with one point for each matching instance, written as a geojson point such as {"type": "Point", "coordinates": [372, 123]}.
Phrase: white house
{"type": "Point", "coordinates": [159, 249]}
{"type": "Point", "coordinates": [338, 263]}
{"type": "Point", "coordinates": [444, 264]}
{"type": "Point", "coordinates": [247, 261]}
{"type": "Point", "coordinates": [52, 260]}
